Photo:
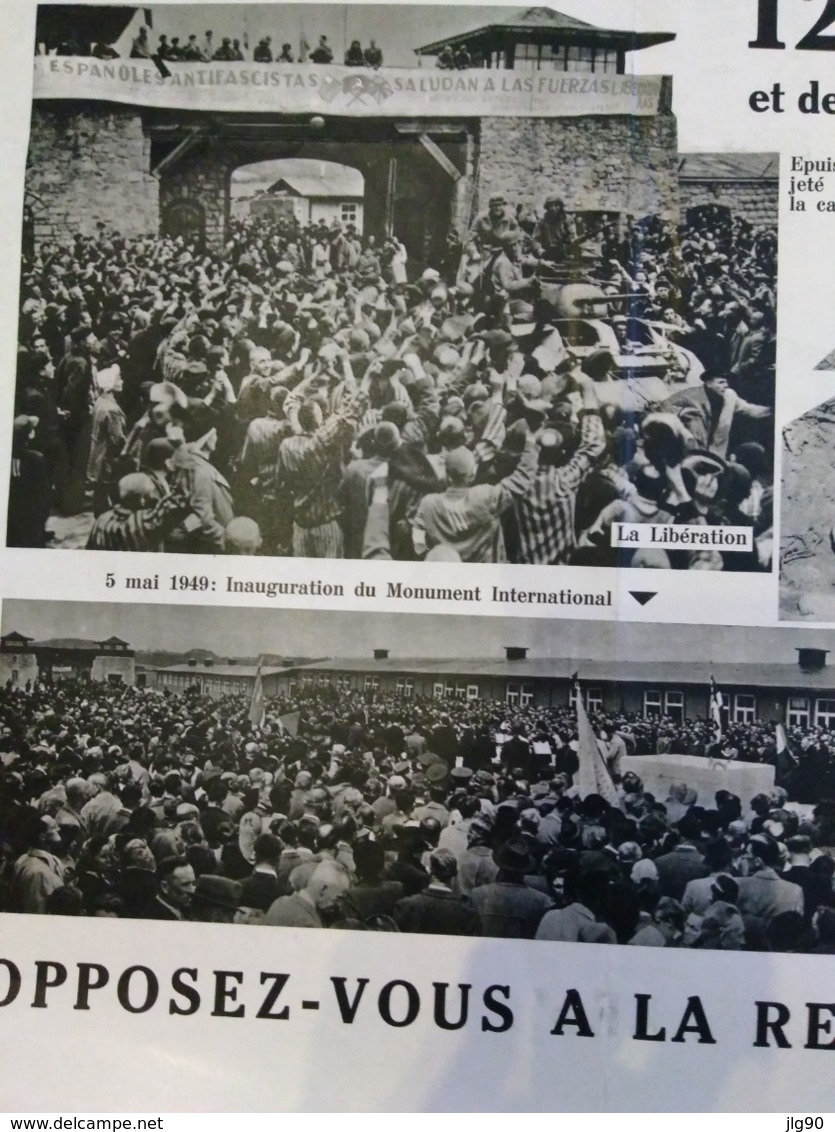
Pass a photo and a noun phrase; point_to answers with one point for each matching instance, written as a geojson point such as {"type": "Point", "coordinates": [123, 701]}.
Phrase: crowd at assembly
{"type": "Point", "coordinates": [205, 49]}
{"type": "Point", "coordinates": [446, 817]}
{"type": "Point", "coordinates": [313, 393]}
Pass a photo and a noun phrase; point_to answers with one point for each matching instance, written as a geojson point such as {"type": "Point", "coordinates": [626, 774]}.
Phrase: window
{"type": "Point", "coordinates": [438, 691]}
{"type": "Point", "coordinates": [398, 686]}
{"type": "Point", "coordinates": [408, 688]}
{"type": "Point", "coordinates": [824, 713]}
{"type": "Point", "coordinates": [526, 57]}
{"type": "Point", "coordinates": [593, 698]}
{"type": "Point", "coordinates": [348, 213]}
{"type": "Point", "coordinates": [472, 691]}
{"type": "Point", "coordinates": [580, 59]}
{"type": "Point", "coordinates": [745, 708]}
{"type": "Point", "coordinates": [512, 696]}
{"type": "Point", "coordinates": [526, 695]}
{"type": "Point", "coordinates": [372, 683]}
{"type": "Point", "coordinates": [606, 61]}
{"type": "Point", "coordinates": [449, 692]}
{"type": "Point", "coordinates": [343, 682]}
{"type": "Point", "coordinates": [674, 705]}
{"type": "Point", "coordinates": [555, 56]}
{"type": "Point", "coordinates": [652, 703]}
{"type": "Point", "coordinates": [797, 714]}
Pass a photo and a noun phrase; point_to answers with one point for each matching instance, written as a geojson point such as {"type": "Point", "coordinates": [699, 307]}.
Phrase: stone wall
{"type": "Point", "coordinates": [106, 666]}
{"type": "Point", "coordinates": [623, 164]}
{"type": "Point", "coordinates": [89, 166]}
{"type": "Point", "coordinates": [18, 667]}
{"type": "Point", "coordinates": [756, 201]}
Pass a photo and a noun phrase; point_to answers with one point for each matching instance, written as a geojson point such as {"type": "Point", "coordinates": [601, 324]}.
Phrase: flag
{"type": "Point", "coordinates": [290, 723]}
{"type": "Point", "coordinates": [783, 747]}
{"type": "Point", "coordinates": [149, 16]}
{"type": "Point", "coordinates": [716, 705]}
{"type": "Point", "coordinates": [593, 777]}
{"type": "Point", "coordinates": [256, 704]}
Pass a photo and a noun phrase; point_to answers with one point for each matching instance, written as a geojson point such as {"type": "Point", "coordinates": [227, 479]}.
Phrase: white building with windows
{"type": "Point", "coordinates": [311, 199]}
{"type": "Point", "coordinates": [800, 693]}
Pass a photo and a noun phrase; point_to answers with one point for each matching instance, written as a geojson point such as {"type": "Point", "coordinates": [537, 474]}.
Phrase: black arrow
{"type": "Point", "coordinates": [643, 596]}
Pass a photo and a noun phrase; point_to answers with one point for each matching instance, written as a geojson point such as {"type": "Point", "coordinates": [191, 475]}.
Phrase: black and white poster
{"type": "Point", "coordinates": [440, 390]}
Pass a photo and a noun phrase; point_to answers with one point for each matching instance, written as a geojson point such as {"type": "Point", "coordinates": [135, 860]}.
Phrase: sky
{"type": "Point", "coordinates": [248, 632]}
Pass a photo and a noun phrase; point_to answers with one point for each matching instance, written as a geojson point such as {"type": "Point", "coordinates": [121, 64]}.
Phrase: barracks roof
{"type": "Point", "coordinates": [534, 24]}
{"type": "Point", "coordinates": [615, 671]}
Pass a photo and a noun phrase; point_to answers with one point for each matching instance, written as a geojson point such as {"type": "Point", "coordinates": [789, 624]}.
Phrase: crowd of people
{"type": "Point", "coordinates": [206, 49]}
{"type": "Point", "coordinates": [309, 392]}
{"type": "Point", "coordinates": [391, 814]}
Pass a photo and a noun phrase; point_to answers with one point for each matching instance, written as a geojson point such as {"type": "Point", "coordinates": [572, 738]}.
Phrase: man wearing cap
{"type": "Point", "coordinates": [39, 872]}
{"type": "Point", "coordinates": [311, 466]}
{"type": "Point", "coordinates": [708, 412]}
{"type": "Point", "coordinates": [207, 490]}
{"type": "Point", "coordinates": [551, 238]}
{"type": "Point", "coordinates": [545, 513]}
{"type": "Point", "coordinates": [136, 523]}
{"type": "Point", "coordinates": [489, 229]}
{"type": "Point", "coordinates": [506, 282]}
{"type": "Point", "coordinates": [467, 516]}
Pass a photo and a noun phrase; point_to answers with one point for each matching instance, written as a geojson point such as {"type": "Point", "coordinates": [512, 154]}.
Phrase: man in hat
{"type": "Point", "coordinates": [40, 871]}
{"type": "Point", "coordinates": [708, 412]}
{"type": "Point", "coordinates": [507, 907]}
{"type": "Point", "coordinates": [437, 909]}
{"type": "Point", "coordinates": [311, 467]}
{"type": "Point", "coordinates": [545, 513]}
{"type": "Point", "coordinates": [489, 229]}
{"type": "Point", "coordinates": [208, 492]}
{"type": "Point", "coordinates": [137, 522]}
{"type": "Point", "coordinates": [551, 238]}
{"type": "Point", "coordinates": [467, 516]}
{"type": "Point", "coordinates": [216, 899]}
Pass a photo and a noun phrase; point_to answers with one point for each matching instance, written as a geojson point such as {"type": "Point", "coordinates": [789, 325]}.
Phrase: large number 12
{"type": "Point", "coordinates": [813, 40]}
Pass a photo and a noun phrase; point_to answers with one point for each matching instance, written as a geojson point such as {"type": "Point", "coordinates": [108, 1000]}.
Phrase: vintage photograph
{"type": "Point", "coordinates": [807, 533]}
{"type": "Point", "coordinates": [314, 282]}
{"type": "Point", "coordinates": [658, 786]}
